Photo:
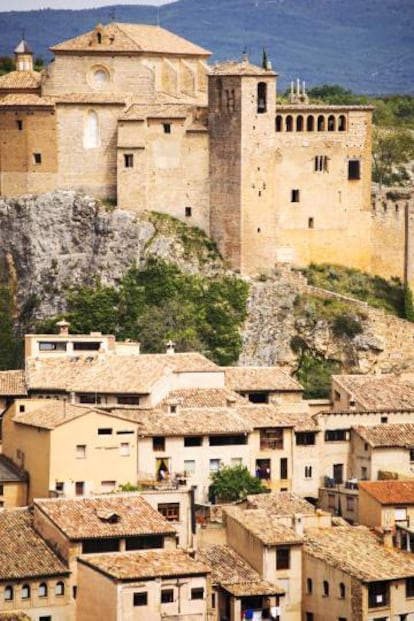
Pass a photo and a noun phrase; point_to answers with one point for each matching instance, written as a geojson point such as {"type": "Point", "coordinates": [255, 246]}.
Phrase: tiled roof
{"type": "Point", "coordinates": [23, 553]}
{"type": "Point", "coordinates": [267, 416]}
{"type": "Point", "coordinates": [280, 503]}
{"type": "Point", "coordinates": [357, 552]}
{"type": "Point", "coordinates": [91, 98]}
{"type": "Point", "coordinates": [203, 397]}
{"type": "Point", "coordinates": [23, 48]}
{"type": "Point", "coordinates": [239, 68]}
{"type": "Point", "coordinates": [140, 565]}
{"type": "Point", "coordinates": [233, 573]}
{"type": "Point", "coordinates": [157, 110]}
{"type": "Point", "coordinates": [257, 522]}
{"type": "Point", "coordinates": [379, 391]}
{"type": "Point", "coordinates": [111, 373]}
{"type": "Point", "coordinates": [16, 615]}
{"type": "Point", "coordinates": [320, 108]}
{"type": "Point", "coordinates": [389, 492]}
{"type": "Point", "coordinates": [260, 379]}
{"type": "Point", "coordinates": [118, 37]}
{"type": "Point", "coordinates": [9, 472]}
{"type": "Point", "coordinates": [21, 80]}
{"type": "Point", "coordinates": [26, 99]}
{"type": "Point", "coordinates": [49, 413]}
{"type": "Point", "coordinates": [387, 434]}
{"type": "Point", "coordinates": [12, 383]}
{"type": "Point", "coordinates": [83, 518]}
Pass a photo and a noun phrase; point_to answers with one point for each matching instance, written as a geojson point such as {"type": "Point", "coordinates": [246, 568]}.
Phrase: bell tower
{"type": "Point", "coordinates": [242, 100]}
{"type": "Point", "coordinates": [24, 56]}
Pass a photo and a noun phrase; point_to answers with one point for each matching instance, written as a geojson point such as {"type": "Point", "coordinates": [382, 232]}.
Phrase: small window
{"type": "Point", "coordinates": [193, 440]}
{"type": "Point", "coordinates": [282, 557]}
{"type": "Point", "coordinates": [294, 196]}
{"type": "Point", "coordinates": [378, 594]}
{"type": "Point", "coordinates": [197, 593]}
{"type": "Point", "coordinates": [19, 125]}
{"type": "Point", "coordinates": [321, 123]}
{"type": "Point", "coordinates": [128, 399]}
{"type": "Point", "coordinates": [128, 160]}
{"type": "Point", "coordinates": [37, 158]}
{"type": "Point", "coordinates": [409, 587]}
{"type": "Point", "coordinates": [336, 435]}
{"type": "Point", "coordinates": [299, 123]}
{"type": "Point", "coordinates": [80, 488]}
{"type": "Point", "coordinates": [167, 128]}
{"type": "Point", "coordinates": [214, 465]}
{"type": "Point", "coordinates": [309, 585]}
{"type": "Point", "coordinates": [104, 431]}
{"type": "Point", "coordinates": [331, 123]}
{"type": "Point", "coordinates": [309, 616]}
{"type": "Point", "coordinates": [311, 223]}
{"type": "Point", "coordinates": [411, 454]}
{"type": "Point", "coordinates": [341, 123]}
{"type": "Point", "coordinates": [261, 98]}
{"type": "Point", "coordinates": [167, 596]}
{"type": "Point", "coordinates": [321, 163]}
{"type": "Point", "coordinates": [354, 170]}
{"type": "Point", "coordinates": [283, 468]}
{"type": "Point", "coordinates": [310, 123]}
{"type": "Point", "coordinates": [124, 449]}
{"type": "Point", "coordinates": [22, 408]}
{"type": "Point", "coordinates": [158, 443]}
{"type": "Point", "coordinates": [325, 588]}
{"type": "Point", "coordinates": [60, 589]}
{"type": "Point", "coordinates": [170, 510]}
{"type": "Point", "coordinates": [305, 438]}
{"type": "Point", "coordinates": [140, 599]}
{"type": "Point", "coordinates": [26, 591]}
{"type": "Point", "coordinates": [1, 489]}
{"type": "Point", "coordinates": [342, 590]}
{"type": "Point", "coordinates": [279, 123]}
{"type": "Point", "coordinates": [81, 451]}
{"type": "Point", "coordinates": [89, 398]}
{"type": "Point", "coordinates": [45, 618]}
{"type": "Point", "coordinates": [350, 503]}
{"type": "Point", "coordinates": [188, 212]}
{"type": "Point", "coordinates": [43, 589]}
{"type": "Point", "coordinates": [308, 472]}
{"type": "Point", "coordinates": [384, 419]}
{"type": "Point", "coordinates": [289, 123]}
{"type": "Point", "coordinates": [8, 593]}
{"type": "Point", "coordinates": [364, 473]}
{"type": "Point", "coordinates": [59, 486]}
{"type": "Point", "coordinates": [189, 466]}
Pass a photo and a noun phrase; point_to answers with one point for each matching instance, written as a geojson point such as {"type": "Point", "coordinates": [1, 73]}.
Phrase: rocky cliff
{"type": "Point", "coordinates": [53, 241]}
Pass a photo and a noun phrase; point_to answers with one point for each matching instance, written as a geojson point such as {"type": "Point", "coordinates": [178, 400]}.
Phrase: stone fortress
{"type": "Point", "coordinates": [134, 113]}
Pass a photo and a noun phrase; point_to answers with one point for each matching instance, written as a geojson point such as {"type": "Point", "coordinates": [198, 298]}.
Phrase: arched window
{"type": "Point", "coordinates": [279, 123]}
{"type": "Point", "coordinates": [219, 87]}
{"type": "Point", "coordinates": [43, 589]}
{"type": "Point", "coordinates": [341, 123]}
{"type": "Point", "coordinates": [299, 123]}
{"type": "Point", "coordinates": [261, 97]}
{"type": "Point", "coordinates": [321, 123]}
{"type": "Point", "coordinates": [331, 123]}
{"type": "Point", "coordinates": [8, 593]}
{"type": "Point", "coordinates": [325, 587]}
{"type": "Point", "coordinates": [310, 123]}
{"type": "Point", "coordinates": [289, 123]}
{"type": "Point", "coordinates": [26, 591]}
{"type": "Point", "coordinates": [342, 590]}
{"type": "Point", "coordinates": [60, 588]}
{"type": "Point", "coordinates": [91, 134]}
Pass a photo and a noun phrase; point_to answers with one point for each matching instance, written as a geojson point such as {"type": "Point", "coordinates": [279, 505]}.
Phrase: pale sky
{"type": "Point", "coordinates": [31, 5]}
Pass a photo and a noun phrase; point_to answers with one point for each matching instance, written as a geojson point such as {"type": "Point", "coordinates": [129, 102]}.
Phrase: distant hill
{"type": "Point", "coordinates": [364, 45]}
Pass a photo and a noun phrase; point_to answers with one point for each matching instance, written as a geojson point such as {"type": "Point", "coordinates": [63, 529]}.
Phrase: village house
{"type": "Point", "coordinates": [349, 575]}
{"type": "Point", "coordinates": [265, 385]}
{"type": "Point", "coordinates": [134, 113]}
{"type": "Point", "coordinates": [372, 392]}
{"type": "Point", "coordinates": [150, 585]}
{"type": "Point", "coordinates": [13, 484]}
{"type": "Point", "coordinates": [33, 579]}
{"type": "Point", "coordinates": [386, 504]}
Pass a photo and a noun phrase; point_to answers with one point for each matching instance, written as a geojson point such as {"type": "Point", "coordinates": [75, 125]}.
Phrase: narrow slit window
{"type": "Point", "coordinates": [129, 160]}
{"type": "Point", "coordinates": [295, 196]}
{"type": "Point", "coordinates": [354, 170]}
{"type": "Point", "coordinates": [167, 128]}
{"type": "Point", "coordinates": [37, 158]}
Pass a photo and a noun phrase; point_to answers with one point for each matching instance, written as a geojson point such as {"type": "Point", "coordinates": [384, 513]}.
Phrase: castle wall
{"type": "Point", "coordinates": [225, 167]}
{"type": "Point", "coordinates": [88, 167]}
{"type": "Point", "coordinates": [393, 234]}
{"type": "Point", "coordinates": [168, 171]}
{"type": "Point", "coordinates": [322, 215]}
{"type": "Point", "coordinates": [24, 133]}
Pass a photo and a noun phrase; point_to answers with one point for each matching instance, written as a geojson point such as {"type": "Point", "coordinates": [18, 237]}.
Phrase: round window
{"type": "Point", "coordinates": [100, 76]}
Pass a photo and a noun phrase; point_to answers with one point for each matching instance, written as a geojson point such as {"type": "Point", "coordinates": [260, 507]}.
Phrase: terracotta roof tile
{"type": "Point", "coordinates": [20, 80]}
{"type": "Point", "coordinates": [23, 553]}
{"type": "Point", "coordinates": [257, 522]}
{"type": "Point", "coordinates": [157, 111]}
{"type": "Point", "coordinates": [10, 472]}
{"type": "Point", "coordinates": [260, 379]}
{"type": "Point", "coordinates": [379, 391]}
{"type": "Point", "coordinates": [387, 434]}
{"type": "Point", "coordinates": [389, 492]}
{"type": "Point", "coordinates": [138, 38]}
{"type": "Point", "coordinates": [49, 413]}
{"type": "Point", "coordinates": [234, 67]}
{"type": "Point", "coordinates": [233, 573]}
{"type": "Point", "coordinates": [203, 397]}
{"type": "Point", "coordinates": [139, 565]}
{"type": "Point", "coordinates": [83, 518]}
{"type": "Point", "coordinates": [357, 552]}
{"type": "Point", "coordinates": [281, 504]}
{"type": "Point", "coordinates": [26, 99]}
{"type": "Point", "coordinates": [12, 383]}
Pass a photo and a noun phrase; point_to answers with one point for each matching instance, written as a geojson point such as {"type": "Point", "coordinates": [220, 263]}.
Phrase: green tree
{"type": "Point", "coordinates": [10, 344]}
{"type": "Point", "coordinates": [408, 304]}
{"type": "Point", "coordinates": [391, 148]}
{"type": "Point", "coordinates": [232, 483]}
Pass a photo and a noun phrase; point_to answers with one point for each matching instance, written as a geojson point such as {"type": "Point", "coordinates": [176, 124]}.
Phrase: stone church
{"type": "Point", "coordinates": [135, 113]}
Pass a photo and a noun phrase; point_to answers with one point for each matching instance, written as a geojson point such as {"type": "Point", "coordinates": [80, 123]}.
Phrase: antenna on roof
{"type": "Point", "coordinates": [112, 14]}
{"type": "Point", "coordinates": [23, 34]}
{"type": "Point", "coordinates": [158, 14]}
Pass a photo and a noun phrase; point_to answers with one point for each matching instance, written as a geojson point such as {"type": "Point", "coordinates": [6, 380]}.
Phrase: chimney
{"type": "Point", "coordinates": [230, 401]}
{"type": "Point", "coordinates": [387, 537]}
{"type": "Point", "coordinates": [170, 347]}
{"type": "Point", "coordinates": [63, 327]}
